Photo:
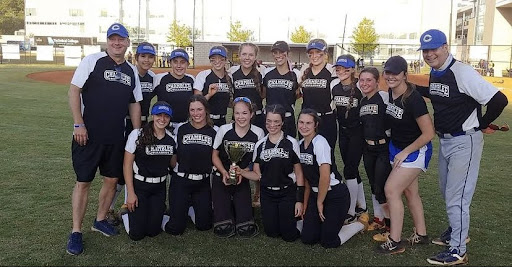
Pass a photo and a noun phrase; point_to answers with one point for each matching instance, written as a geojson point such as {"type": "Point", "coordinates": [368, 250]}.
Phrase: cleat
{"type": "Point", "coordinates": [416, 239]}
{"type": "Point", "coordinates": [448, 258]}
{"type": "Point", "coordinates": [390, 247]}
{"type": "Point", "coordinates": [75, 244]}
{"type": "Point", "coordinates": [444, 239]}
{"type": "Point", "coordinates": [104, 227]}
{"type": "Point", "coordinates": [376, 224]}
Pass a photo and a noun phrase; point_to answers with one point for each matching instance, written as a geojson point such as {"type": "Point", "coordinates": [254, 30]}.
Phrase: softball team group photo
{"type": "Point", "coordinates": [220, 147]}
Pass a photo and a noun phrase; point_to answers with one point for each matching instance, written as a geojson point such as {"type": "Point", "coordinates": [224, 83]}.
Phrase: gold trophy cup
{"type": "Point", "coordinates": [235, 153]}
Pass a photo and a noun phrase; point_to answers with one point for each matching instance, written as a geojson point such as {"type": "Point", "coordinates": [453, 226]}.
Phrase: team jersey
{"type": "Point", "coordinates": [152, 160]}
{"type": "Point", "coordinates": [402, 118]}
{"type": "Point", "coordinates": [219, 101]}
{"type": "Point", "coordinates": [281, 88]}
{"type": "Point", "coordinates": [146, 84]}
{"type": "Point", "coordinates": [276, 160]}
{"type": "Point", "coordinates": [107, 90]}
{"type": "Point", "coordinates": [176, 92]}
{"type": "Point", "coordinates": [316, 91]}
{"type": "Point", "coordinates": [312, 157]}
{"type": "Point", "coordinates": [343, 98]}
{"type": "Point", "coordinates": [194, 149]}
{"type": "Point", "coordinates": [373, 116]}
{"type": "Point", "coordinates": [457, 92]}
{"type": "Point", "coordinates": [226, 136]}
{"type": "Point", "coordinates": [245, 85]}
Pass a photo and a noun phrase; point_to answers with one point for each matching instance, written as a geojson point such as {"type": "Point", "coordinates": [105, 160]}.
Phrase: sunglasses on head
{"type": "Point", "coordinates": [242, 98]}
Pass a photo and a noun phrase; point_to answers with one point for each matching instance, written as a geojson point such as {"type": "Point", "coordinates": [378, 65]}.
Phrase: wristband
{"type": "Point", "coordinates": [78, 125]}
{"type": "Point", "coordinates": [299, 195]}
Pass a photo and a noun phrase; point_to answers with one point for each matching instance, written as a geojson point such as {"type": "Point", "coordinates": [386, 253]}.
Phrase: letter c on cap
{"type": "Point", "coordinates": [115, 27]}
{"type": "Point", "coordinates": [427, 38]}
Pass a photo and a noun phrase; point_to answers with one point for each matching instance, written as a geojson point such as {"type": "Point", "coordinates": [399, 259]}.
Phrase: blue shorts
{"type": "Point", "coordinates": [417, 159]}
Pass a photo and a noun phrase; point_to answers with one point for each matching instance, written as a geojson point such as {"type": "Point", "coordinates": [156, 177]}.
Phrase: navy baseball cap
{"type": "Point", "coordinates": [119, 29]}
{"type": "Point", "coordinates": [179, 53]}
{"type": "Point", "coordinates": [346, 61]}
{"type": "Point", "coordinates": [218, 50]}
{"type": "Point", "coordinates": [316, 44]}
{"type": "Point", "coordinates": [281, 46]}
{"type": "Point", "coordinates": [395, 65]}
{"type": "Point", "coordinates": [146, 48]}
{"type": "Point", "coordinates": [432, 39]}
{"type": "Point", "coordinates": [161, 107]}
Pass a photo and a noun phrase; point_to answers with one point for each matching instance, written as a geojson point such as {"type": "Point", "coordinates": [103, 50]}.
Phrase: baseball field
{"type": "Point", "coordinates": [37, 181]}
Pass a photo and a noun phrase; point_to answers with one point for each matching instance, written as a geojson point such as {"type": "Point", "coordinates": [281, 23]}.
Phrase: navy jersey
{"type": "Point", "coordinates": [107, 90]}
{"type": "Point", "coordinates": [245, 85]}
{"type": "Point", "coordinates": [176, 92]}
{"type": "Point", "coordinates": [402, 118]}
{"type": "Point", "coordinates": [195, 147]}
{"type": "Point", "coordinates": [373, 116]}
{"type": "Point", "coordinates": [316, 91]}
{"type": "Point", "coordinates": [226, 136]}
{"type": "Point", "coordinates": [312, 157]}
{"type": "Point", "coordinates": [281, 89]}
{"type": "Point", "coordinates": [276, 161]}
{"type": "Point", "coordinates": [219, 101]}
{"type": "Point", "coordinates": [152, 160]}
{"type": "Point", "coordinates": [344, 96]}
{"type": "Point", "coordinates": [457, 93]}
{"type": "Point", "coordinates": [146, 84]}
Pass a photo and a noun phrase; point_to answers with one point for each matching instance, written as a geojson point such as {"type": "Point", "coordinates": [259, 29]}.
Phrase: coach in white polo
{"type": "Point", "coordinates": [103, 90]}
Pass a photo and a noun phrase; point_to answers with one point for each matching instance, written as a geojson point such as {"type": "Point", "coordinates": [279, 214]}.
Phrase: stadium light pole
{"type": "Point", "coordinates": [194, 36]}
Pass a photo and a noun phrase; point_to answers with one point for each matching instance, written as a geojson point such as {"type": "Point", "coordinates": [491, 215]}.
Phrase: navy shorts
{"type": "Point", "coordinates": [86, 160]}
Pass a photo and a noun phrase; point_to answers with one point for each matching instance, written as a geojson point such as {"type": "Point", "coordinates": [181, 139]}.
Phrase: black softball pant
{"type": "Point", "coordinates": [231, 203]}
{"type": "Point", "coordinates": [378, 168]}
{"type": "Point", "coordinates": [351, 144]}
{"type": "Point", "coordinates": [182, 193]}
{"type": "Point", "coordinates": [336, 205]}
{"type": "Point", "coordinates": [146, 219]}
{"type": "Point", "coordinates": [278, 212]}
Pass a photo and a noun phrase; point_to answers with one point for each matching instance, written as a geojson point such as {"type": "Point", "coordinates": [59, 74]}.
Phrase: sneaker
{"type": "Point", "coordinates": [360, 211]}
{"type": "Point", "coordinates": [381, 237]}
{"type": "Point", "coordinates": [248, 230]}
{"type": "Point", "coordinates": [364, 218]}
{"type": "Point", "coordinates": [225, 230]}
{"type": "Point", "coordinates": [113, 218]}
{"type": "Point", "coordinates": [350, 219]}
{"type": "Point", "coordinates": [390, 247]}
{"type": "Point", "coordinates": [416, 239]}
{"type": "Point", "coordinates": [75, 244]}
{"type": "Point", "coordinates": [448, 258]}
{"type": "Point", "coordinates": [444, 239]}
{"type": "Point", "coordinates": [376, 224]}
{"type": "Point", "coordinates": [104, 227]}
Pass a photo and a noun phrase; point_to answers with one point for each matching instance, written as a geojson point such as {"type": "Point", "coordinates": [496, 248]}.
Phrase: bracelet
{"type": "Point", "coordinates": [299, 194]}
{"type": "Point", "coordinates": [78, 125]}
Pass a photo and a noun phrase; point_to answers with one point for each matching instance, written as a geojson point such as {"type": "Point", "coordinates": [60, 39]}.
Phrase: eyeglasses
{"type": "Point", "coordinates": [118, 72]}
{"type": "Point", "coordinates": [242, 98]}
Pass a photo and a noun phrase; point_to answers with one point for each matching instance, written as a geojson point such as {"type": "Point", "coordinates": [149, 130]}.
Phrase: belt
{"type": "Point", "coordinates": [195, 177]}
{"type": "Point", "coordinates": [151, 180]}
{"type": "Point", "coordinates": [288, 114]}
{"type": "Point", "coordinates": [452, 135]}
{"type": "Point", "coordinates": [258, 112]}
{"type": "Point", "coordinates": [326, 113]}
{"type": "Point", "coordinates": [376, 142]}
{"type": "Point", "coordinates": [276, 188]}
{"type": "Point", "coordinates": [315, 189]}
{"type": "Point", "coordinates": [142, 118]}
{"type": "Point", "coordinates": [216, 117]}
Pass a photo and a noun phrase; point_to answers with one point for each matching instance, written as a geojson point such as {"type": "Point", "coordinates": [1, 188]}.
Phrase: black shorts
{"type": "Point", "coordinates": [86, 160]}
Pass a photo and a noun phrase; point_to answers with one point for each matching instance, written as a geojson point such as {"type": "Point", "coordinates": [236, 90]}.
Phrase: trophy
{"type": "Point", "coordinates": [235, 153]}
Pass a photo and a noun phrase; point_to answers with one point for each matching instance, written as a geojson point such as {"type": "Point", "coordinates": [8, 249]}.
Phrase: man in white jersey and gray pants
{"type": "Point", "coordinates": [457, 93]}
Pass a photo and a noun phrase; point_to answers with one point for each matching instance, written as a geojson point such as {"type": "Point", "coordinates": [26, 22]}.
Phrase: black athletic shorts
{"type": "Point", "coordinates": [87, 159]}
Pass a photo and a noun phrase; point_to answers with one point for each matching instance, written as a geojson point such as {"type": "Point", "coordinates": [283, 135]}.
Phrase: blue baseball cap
{"type": "Point", "coordinates": [316, 44]}
{"type": "Point", "coordinates": [179, 53]}
{"type": "Point", "coordinates": [346, 61]}
{"type": "Point", "coordinates": [218, 50]}
{"type": "Point", "coordinates": [432, 39]}
{"type": "Point", "coordinates": [119, 29]}
{"type": "Point", "coordinates": [146, 48]}
{"type": "Point", "coordinates": [161, 107]}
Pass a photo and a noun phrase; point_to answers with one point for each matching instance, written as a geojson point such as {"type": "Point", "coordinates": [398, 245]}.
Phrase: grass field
{"type": "Point", "coordinates": [37, 180]}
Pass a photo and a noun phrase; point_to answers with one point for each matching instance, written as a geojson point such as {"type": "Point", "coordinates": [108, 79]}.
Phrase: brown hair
{"type": "Point", "coordinates": [308, 69]}
{"type": "Point", "coordinates": [202, 100]}
{"type": "Point", "coordinates": [314, 114]}
{"type": "Point", "coordinates": [147, 136]}
{"type": "Point", "coordinates": [373, 71]}
{"type": "Point", "coordinates": [254, 69]}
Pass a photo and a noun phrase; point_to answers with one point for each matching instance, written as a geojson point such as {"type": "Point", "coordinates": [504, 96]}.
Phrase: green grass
{"type": "Point", "coordinates": [37, 180]}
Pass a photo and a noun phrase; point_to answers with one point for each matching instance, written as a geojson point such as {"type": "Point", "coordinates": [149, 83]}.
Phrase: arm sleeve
{"type": "Point", "coordinates": [200, 80]}
{"type": "Point", "coordinates": [218, 137]}
{"type": "Point", "coordinates": [84, 69]}
{"type": "Point", "coordinates": [137, 91]}
{"type": "Point", "coordinates": [416, 105]}
{"type": "Point", "coordinates": [494, 108]}
{"type": "Point", "coordinates": [296, 150]}
{"type": "Point", "coordinates": [322, 151]}
{"type": "Point", "coordinates": [131, 144]}
{"type": "Point", "coordinates": [471, 83]}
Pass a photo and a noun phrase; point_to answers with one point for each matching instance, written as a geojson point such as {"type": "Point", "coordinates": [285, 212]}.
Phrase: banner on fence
{"type": "Point", "coordinates": [72, 55]}
{"type": "Point", "coordinates": [44, 53]}
{"type": "Point", "coordinates": [11, 51]}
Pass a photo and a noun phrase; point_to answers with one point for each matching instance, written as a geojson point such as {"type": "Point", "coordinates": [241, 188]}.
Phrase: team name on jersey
{"type": "Point", "coordinates": [178, 87]}
{"type": "Point", "coordinates": [306, 158]}
{"type": "Point", "coordinates": [439, 89]}
{"type": "Point", "coordinates": [244, 84]}
{"type": "Point", "coordinates": [268, 154]}
{"type": "Point", "coordinates": [344, 101]}
{"type": "Point", "coordinates": [247, 146]}
{"type": "Point", "coordinates": [280, 83]}
{"type": "Point", "coordinates": [394, 111]}
{"type": "Point", "coordinates": [146, 87]}
{"type": "Point", "coordinates": [114, 76]}
{"type": "Point", "coordinates": [320, 83]}
{"type": "Point", "coordinates": [159, 150]}
{"type": "Point", "coordinates": [370, 109]}
{"type": "Point", "coordinates": [223, 88]}
{"type": "Point", "coordinates": [199, 139]}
